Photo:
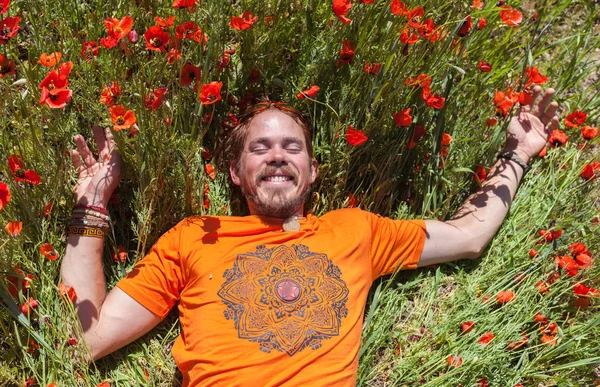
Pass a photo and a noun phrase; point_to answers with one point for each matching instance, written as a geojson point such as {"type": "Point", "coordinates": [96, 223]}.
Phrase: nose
{"type": "Point", "coordinates": [277, 156]}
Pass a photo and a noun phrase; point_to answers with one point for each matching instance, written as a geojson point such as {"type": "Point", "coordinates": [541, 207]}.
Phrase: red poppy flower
{"type": "Point", "coordinates": [68, 291]}
{"type": "Point", "coordinates": [526, 96]}
{"type": "Point", "coordinates": [184, 3]}
{"type": "Point", "coordinates": [4, 6]}
{"type": "Point", "coordinates": [4, 195]}
{"type": "Point", "coordinates": [109, 42]}
{"type": "Point", "coordinates": [454, 361]}
{"type": "Point", "coordinates": [514, 345]}
{"type": "Point", "coordinates": [407, 36]}
{"type": "Point", "coordinates": [47, 250]}
{"type": "Point", "coordinates": [372, 68]}
{"type": "Point", "coordinates": [568, 264]}
{"type": "Point", "coordinates": [482, 23]}
{"type": "Point", "coordinates": [486, 338]}
{"type": "Point", "coordinates": [17, 168]}
{"type": "Point", "coordinates": [14, 228]}
{"type": "Point", "coordinates": [156, 39]}
{"type": "Point", "coordinates": [427, 30]}
{"type": "Point", "coordinates": [8, 28]}
{"type": "Point", "coordinates": [55, 99]}
{"type": "Point", "coordinates": [346, 53]}
{"type": "Point", "coordinates": [402, 118]}
{"type": "Point", "coordinates": [578, 248]}
{"type": "Point", "coordinates": [491, 122]}
{"type": "Point", "coordinates": [398, 8]}
{"type": "Point", "coordinates": [310, 93]}
{"type": "Point", "coordinates": [164, 23]}
{"type": "Point", "coordinates": [533, 253]}
{"type": "Point", "coordinates": [189, 74]}
{"type": "Point", "coordinates": [549, 235]}
{"type": "Point", "coordinates": [422, 80]}
{"type": "Point", "coordinates": [242, 22]}
{"type": "Point", "coordinates": [418, 133]}
{"type": "Point", "coordinates": [582, 290]}
{"type": "Point", "coordinates": [28, 306]}
{"type": "Point", "coordinates": [200, 37]}
{"type": "Point", "coordinates": [477, 4]}
{"type": "Point", "coordinates": [186, 30]}
{"type": "Point", "coordinates": [510, 16]}
{"type": "Point", "coordinates": [210, 93]}
{"type": "Point", "coordinates": [542, 287]}
{"type": "Point", "coordinates": [89, 51]}
{"type": "Point", "coordinates": [467, 326]}
{"type": "Point", "coordinates": [340, 9]}
{"type": "Point", "coordinates": [118, 28]}
{"type": "Point", "coordinates": [50, 60]}
{"type": "Point", "coordinates": [6, 67]}
{"type": "Point", "coordinates": [480, 174]}
{"type": "Point", "coordinates": [121, 117]}
{"type": "Point", "coordinates": [543, 152]}
{"type": "Point", "coordinates": [548, 339]}
{"type": "Point", "coordinates": [414, 17]}
{"type": "Point", "coordinates": [106, 384]}
{"type": "Point", "coordinates": [557, 138]}
{"type": "Point", "coordinates": [355, 137]}
{"type": "Point", "coordinates": [588, 132]}
{"type": "Point", "coordinates": [173, 56]}
{"type": "Point", "coordinates": [505, 101]}
{"type": "Point", "coordinates": [584, 260]}
{"type": "Point", "coordinates": [465, 28]}
{"type": "Point", "coordinates": [72, 341]}
{"type": "Point", "coordinates": [505, 297]}
{"type": "Point", "coordinates": [110, 94]}
{"type": "Point", "coordinates": [446, 139]}
{"type": "Point", "coordinates": [484, 66]}
{"type": "Point", "coordinates": [154, 98]}
{"type": "Point", "coordinates": [591, 171]}
{"type": "Point", "coordinates": [120, 255]}
{"type": "Point", "coordinates": [533, 76]}
{"type": "Point", "coordinates": [575, 119]}
{"type": "Point", "coordinates": [434, 101]}
{"type": "Point", "coordinates": [210, 171]}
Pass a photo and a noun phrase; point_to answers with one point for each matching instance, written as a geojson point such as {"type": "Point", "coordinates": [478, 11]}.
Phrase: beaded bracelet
{"type": "Point", "coordinates": [89, 223]}
{"type": "Point", "coordinates": [86, 211]}
{"type": "Point", "coordinates": [94, 208]}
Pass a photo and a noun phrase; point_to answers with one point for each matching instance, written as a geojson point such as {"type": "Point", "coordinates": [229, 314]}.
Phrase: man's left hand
{"type": "Point", "coordinates": [528, 130]}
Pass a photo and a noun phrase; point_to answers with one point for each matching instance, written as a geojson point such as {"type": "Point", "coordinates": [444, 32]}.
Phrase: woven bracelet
{"type": "Point", "coordinates": [86, 231]}
{"type": "Point", "coordinates": [93, 208]}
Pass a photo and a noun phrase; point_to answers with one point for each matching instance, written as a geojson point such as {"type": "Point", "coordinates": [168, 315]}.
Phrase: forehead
{"type": "Point", "coordinates": [273, 124]}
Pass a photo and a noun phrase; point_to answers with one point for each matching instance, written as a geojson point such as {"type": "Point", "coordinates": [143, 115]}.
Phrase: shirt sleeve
{"type": "Point", "coordinates": [156, 280]}
{"type": "Point", "coordinates": [395, 244]}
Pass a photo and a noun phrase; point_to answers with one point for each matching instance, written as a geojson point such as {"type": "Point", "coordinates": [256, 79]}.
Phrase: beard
{"type": "Point", "coordinates": [274, 201]}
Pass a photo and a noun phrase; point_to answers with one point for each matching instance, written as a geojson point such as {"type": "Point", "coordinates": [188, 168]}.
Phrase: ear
{"type": "Point", "coordinates": [314, 170]}
{"type": "Point", "coordinates": [234, 174]}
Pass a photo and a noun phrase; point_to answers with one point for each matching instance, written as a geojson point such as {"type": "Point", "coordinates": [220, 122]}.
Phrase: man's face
{"type": "Point", "coordinates": [275, 171]}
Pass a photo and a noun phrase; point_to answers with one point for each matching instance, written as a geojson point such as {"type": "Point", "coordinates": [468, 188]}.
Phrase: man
{"type": "Point", "coordinates": [277, 297]}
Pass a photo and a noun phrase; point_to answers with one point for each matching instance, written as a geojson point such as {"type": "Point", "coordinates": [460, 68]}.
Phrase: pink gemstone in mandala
{"type": "Point", "coordinates": [288, 290]}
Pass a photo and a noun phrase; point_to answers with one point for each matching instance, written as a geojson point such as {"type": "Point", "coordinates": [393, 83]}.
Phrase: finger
{"type": "Point", "coordinates": [84, 151]}
{"type": "Point", "coordinates": [76, 159]}
{"type": "Point", "coordinates": [543, 104]}
{"type": "Point", "coordinates": [101, 143]}
{"type": "Point", "coordinates": [536, 92]}
{"type": "Point", "coordinates": [550, 113]}
{"type": "Point", "coordinates": [554, 124]}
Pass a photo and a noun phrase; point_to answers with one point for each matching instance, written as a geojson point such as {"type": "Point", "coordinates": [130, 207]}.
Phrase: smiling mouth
{"type": "Point", "coordinates": [277, 179]}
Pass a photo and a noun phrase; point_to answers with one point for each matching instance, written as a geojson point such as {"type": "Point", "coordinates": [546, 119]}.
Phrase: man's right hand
{"type": "Point", "coordinates": [97, 178]}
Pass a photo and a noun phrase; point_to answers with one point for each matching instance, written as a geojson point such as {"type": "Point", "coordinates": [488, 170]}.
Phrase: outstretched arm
{"type": "Point", "coordinates": [480, 217]}
{"type": "Point", "coordinates": [108, 322]}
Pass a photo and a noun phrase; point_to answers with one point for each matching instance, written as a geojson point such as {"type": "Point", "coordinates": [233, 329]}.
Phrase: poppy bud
{"type": "Point", "coordinates": [133, 36]}
{"type": "Point", "coordinates": [405, 50]}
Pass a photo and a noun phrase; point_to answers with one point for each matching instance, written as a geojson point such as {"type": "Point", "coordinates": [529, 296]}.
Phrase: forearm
{"type": "Point", "coordinates": [482, 213]}
{"type": "Point", "coordinates": [82, 269]}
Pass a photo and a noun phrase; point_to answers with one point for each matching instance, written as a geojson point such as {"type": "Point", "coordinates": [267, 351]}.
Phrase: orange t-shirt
{"type": "Point", "coordinates": [259, 306]}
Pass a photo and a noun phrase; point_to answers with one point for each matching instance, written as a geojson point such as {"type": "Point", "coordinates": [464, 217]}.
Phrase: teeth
{"type": "Point", "coordinates": [277, 178]}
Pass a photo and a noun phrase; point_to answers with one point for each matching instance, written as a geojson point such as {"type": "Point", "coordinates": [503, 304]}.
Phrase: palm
{"type": "Point", "coordinates": [97, 178]}
{"type": "Point", "coordinates": [528, 130]}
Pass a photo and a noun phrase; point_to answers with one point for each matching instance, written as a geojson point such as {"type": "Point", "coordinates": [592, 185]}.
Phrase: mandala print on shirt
{"type": "Point", "coordinates": [285, 298]}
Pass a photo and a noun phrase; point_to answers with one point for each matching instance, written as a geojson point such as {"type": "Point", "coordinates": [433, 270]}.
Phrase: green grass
{"type": "Point", "coordinates": [164, 179]}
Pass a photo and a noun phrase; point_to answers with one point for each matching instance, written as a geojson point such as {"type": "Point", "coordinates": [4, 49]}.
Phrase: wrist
{"type": "Point", "coordinates": [520, 154]}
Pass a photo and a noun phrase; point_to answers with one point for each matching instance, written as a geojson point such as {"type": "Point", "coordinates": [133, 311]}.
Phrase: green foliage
{"type": "Point", "coordinates": [164, 172]}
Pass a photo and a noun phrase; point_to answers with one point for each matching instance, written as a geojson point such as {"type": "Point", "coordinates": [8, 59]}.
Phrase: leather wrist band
{"type": "Point", "coordinates": [513, 157]}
